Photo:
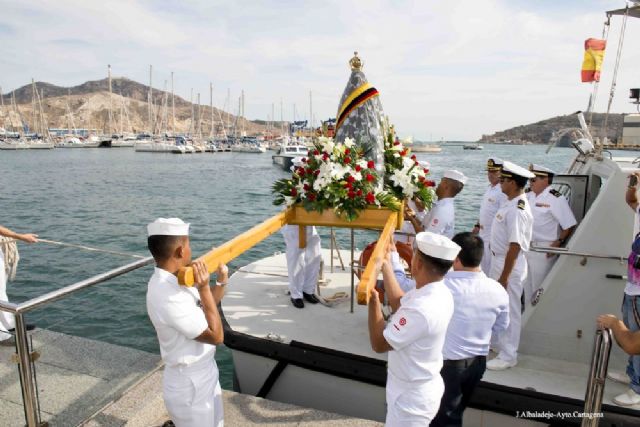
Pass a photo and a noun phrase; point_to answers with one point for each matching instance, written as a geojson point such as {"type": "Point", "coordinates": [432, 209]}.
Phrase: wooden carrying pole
{"type": "Point", "coordinates": [370, 275]}
{"type": "Point", "coordinates": [235, 247]}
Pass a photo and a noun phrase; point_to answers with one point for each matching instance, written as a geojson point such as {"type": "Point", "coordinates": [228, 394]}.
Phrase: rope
{"type": "Point", "coordinates": [72, 245]}
{"type": "Point", "coordinates": [11, 256]}
{"type": "Point", "coordinates": [615, 72]}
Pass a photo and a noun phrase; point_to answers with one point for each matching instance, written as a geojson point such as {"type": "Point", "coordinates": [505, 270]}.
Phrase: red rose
{"type": "Point", "coordinates": [430, 183]}
{"type": "Point", "coordinates": [348, 185]}
{"type": "Point", "coordinates": [294, 192]}
{"type": "Point", "coordinates": [347, 160]}
{"type": "Point", "coordinates": [301, 171]}
{"type": "Point", "coordinates": [316, 172]}
{"type": "Point", "coordinates": [370, 198]}
{"type": "Point", "coordinates": [421, 178]}
{"type": "Point", "coordinates": [403, 152]}
{"type": "Point", "coordinates": [325, 156]}
{"type": "Point", "coordinates": [311, 197]}
{"type": "Point", "coordinates": [304, 160]}
{"type": "Point", "coordinates": [358, 168]}
{"type": "Point", "coordinates": [350, 179]}
{"type": "Point", "coordinates": [347, 151]}
{"type": "Point", "coordinates": [413, 157]}
{"type": "Point", "coordinates": [426, 171]}
{"type": "Point", "coordinates": [370, 177]}
{"type": "Point", "coordinates": [417, 163]}
{"type": "Point", "coordinates": [359, 193]}
{"type": "Point", "coordinates": [316, 152]}
{"type": "Point", "coordinates": [309, 171]}
{"type": "Point", "coordinates": [306, 187]}
{"type": "Point", "coordinates": [351, 195]}
{"type": "Point", "coordinates": [371, 164]}
{"type": "Point", "coordinates": [396, 143]}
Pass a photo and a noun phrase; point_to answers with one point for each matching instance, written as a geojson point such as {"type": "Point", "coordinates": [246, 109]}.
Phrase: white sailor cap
{"type": "Point", "coordinates": [168, 227]}
{"type": "Point", "coordinates": [456, 176]}
{"type": "Point", "coordinates": [494, 164]}
{"type": "Point", "coordinates": [539, 170]}
{"type": "Point", "coordinates": [509, 170]}
{"type": "Point", "coordinates": [437, 245]}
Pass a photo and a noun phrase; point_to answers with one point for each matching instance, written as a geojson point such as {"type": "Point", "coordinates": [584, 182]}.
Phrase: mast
{"type": "Point", "coordinates": [244, 131]}
{"type": "Point", "coordinates": [150, 101]}
{"type": "Point", "coordinates": [310, 111]}
{"type": "Point", "coordinates": [33, 104]}
{"type": "Point", "coordinates": [110, 103]}
{"type": "Point", "coordinates": [281, 119]}
{"type": "Point", "coordinates": [191, 125]}
{"type": "Point", "coordinates": [173, 108]}
{"type": "Point", "coordinates": [199, 122]}
{"type": "Point", "coordinates": [211, 107]}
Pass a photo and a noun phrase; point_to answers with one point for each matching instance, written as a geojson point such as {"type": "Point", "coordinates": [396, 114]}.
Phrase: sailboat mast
{"type": "Point", "coordinates": [173, 108]}
{"type": "Point", "coordinates": [244, 131]}
{"type": "Point", "coordinates": [199, 130]}
{"type": "Point", "coordinates": [110, 103]}
{"type": "Point", "coordinates": [33, 105]}
{"type": "Point", "coordinates": [281, 119]}
{"type": "Point", "coordinates": [211, 107]}
{"type": "Point", "coordinates": [310, 111]}
{"type": "Point", "coordinates": [150, 103]}
{"type": "Point", "coordinates": [191, 125]}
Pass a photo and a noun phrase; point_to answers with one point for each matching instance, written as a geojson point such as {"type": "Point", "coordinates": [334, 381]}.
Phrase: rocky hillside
{"type": "Point", "coordinates": [87, 106]}
{"type": "Point", "coordinates": [540, 132]}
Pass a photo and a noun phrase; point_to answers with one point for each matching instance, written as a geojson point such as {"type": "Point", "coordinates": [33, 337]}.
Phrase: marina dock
{"type": "Point", "coordinates": [92, 383]}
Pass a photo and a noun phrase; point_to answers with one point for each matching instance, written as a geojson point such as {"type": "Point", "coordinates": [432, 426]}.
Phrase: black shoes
{"type": "Point", "coordinates": [311, 298]}
{"type": "Point", "coordinates": [297, 302]}
{"type": "Point", "coordinates": [30, 327]}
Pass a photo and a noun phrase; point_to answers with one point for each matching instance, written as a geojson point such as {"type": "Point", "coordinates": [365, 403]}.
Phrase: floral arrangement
{"type": "Point", "coordinates": [334, 176]}
{"type": "Point", "coordinates": [405, 177]}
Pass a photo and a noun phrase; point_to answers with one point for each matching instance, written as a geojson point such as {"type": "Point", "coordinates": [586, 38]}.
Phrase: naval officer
{"type": "Point", "coordinates": [415, 333]}
{"type": "Point", "coordinates": [553, 223]}
{"type": "Point", "coordinates": [511, 232]}
{"type": "Point", "coordinates": [441, 218]}
{"type": "Point", "coordinates": [188, 326]}
{"type": "Point", "coordinates": [491, 200]}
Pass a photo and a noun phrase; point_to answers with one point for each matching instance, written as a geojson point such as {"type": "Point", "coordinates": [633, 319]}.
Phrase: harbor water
{"type": "Point", "coordinates": [105, 197]}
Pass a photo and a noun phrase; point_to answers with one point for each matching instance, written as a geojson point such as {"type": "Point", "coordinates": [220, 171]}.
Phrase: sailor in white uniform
{"type": "Point", "coordinates": [510, 237]}
{"type": "Point", "coordinates": [188, 327]}
{"type": "Point", "coordinates": [303, 264]}
{"type": "Point", "coordinates": [441, 218]}
{"type": "Point", "coordinates": [415, 334]}
{"type": "Point", "coordinates": [491, 200]}
{"type": "Point", "coordinates": [553, 223]}
{"type": "Point", "coordinates": [7, 320]}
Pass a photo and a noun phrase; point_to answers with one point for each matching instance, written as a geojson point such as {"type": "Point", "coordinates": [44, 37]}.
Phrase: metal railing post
{"type": "Point", "coordinates": [597, 377]}
{"type": "Point", "coordinates": [24, 367]}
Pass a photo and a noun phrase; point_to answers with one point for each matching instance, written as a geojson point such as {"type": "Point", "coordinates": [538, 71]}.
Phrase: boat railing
{"type": "Point", "coordinates": [597, 378]}
{"type": "Point", "coordinates": [25, 357]}
{"type": "Point", "coordinates": [584, 255]}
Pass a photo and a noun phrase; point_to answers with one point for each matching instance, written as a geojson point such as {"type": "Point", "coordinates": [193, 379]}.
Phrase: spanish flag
{"type": "Point", "coordinates": [593, 57]}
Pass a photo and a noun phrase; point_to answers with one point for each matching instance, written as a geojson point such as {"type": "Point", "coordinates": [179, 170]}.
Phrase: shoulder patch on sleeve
{"type": "Point", "coordinates": [521, 204]}
{"type": "Point", "coordinates": [555, 192]}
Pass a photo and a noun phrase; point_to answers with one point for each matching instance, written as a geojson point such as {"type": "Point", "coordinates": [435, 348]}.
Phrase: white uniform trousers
{"type": "Point", "coordinates": [303, 265]}
{"type": "Point", "coordinates": [192, 395]}
{"type": "Point", "coordinates": [7, 320]}
{"type": "Point", "coordinates": [538, 266]}
{"type": "Point", "coordinates": [412, 404]}
{"type": "Point", "coordinates": [485, 265]}
{"type": "Point", "coordinates": [508, 341]}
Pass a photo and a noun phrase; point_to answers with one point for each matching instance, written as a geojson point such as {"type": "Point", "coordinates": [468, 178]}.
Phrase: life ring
{"type": "Point", "coordinates": [404, 250]}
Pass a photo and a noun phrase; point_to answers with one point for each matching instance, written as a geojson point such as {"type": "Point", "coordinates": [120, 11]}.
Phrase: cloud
{"type": "Point", "coordinates": [448, 69]}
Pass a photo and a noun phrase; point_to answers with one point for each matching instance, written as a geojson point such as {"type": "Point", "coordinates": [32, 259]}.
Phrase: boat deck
{"type": "Point", "coordinates": [260, 291]}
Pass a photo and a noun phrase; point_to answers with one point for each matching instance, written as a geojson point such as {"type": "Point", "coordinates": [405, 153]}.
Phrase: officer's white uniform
{"type": "Point", "coordinates": [303, 264]}
{"type": "Point", "coordinates": [191, 388]}
{"type": "Point", "coordinates": [491, 200]}
{"type": "Point", "coordinates": [441, 219]}
{"type": "Point", "coordinates": [7, 320]}
{"type": "Point", "coordinates": [512, 224]}
{"type": "Point", "coordinates": [416, 332]}
{"type": "Point", "coordinates": [551, 211]}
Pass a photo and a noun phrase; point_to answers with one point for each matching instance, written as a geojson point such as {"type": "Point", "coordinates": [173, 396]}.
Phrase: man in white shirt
{"type": "Point", "coordinates": [553, 223]}
{"type": "Point", "coordinates": [415, 333]}
{"type": "Point", "coordinates": [481, 307]}
{"type": "Point", "coordinates": [510, 237]}
{"type": "Point", "coordinates": [491, 200]}
{"type": "Point", "coordinates": [303, 264]}
{"type": "Point", "coordinates": [188, 326]}
{"type": "Point", "coordinates": [7, 320]}
{"type": "Point", "coordinates": [441, 218]}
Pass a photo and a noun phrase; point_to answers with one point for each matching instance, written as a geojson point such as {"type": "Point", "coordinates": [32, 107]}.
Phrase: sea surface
{"type": "Point", "coordinates": [105, 197]}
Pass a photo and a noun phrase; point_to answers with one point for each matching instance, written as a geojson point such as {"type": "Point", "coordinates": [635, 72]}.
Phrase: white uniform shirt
{"type": "Point", "coordinates": [178, 318]}
{"type": "Point", "coordinates": [441, 218]}
{"type": "Point", "coordinates": [491, 202]}
{"type": "Point", "coordinates": [550, 210]}
{"type": "Point", "coordinates": [481, 306]}
{"type": "Point", "coordinates": [512, 224]}
{"type": "Point", "coordinates": [417, 331]}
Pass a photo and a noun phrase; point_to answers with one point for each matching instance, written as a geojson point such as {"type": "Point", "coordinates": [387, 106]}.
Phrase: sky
{"type": "Point", "coordinates": [451, 70]}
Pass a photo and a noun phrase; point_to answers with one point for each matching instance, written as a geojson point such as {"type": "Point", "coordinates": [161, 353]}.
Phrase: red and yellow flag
{"type": "Point", "coordinates": [593, 57]}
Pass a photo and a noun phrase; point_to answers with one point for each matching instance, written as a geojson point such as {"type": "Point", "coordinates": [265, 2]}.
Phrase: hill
{"type": "Point", "coordinates": [540, 132]}
{"type": "Point", "coordinates": [87, 106]}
